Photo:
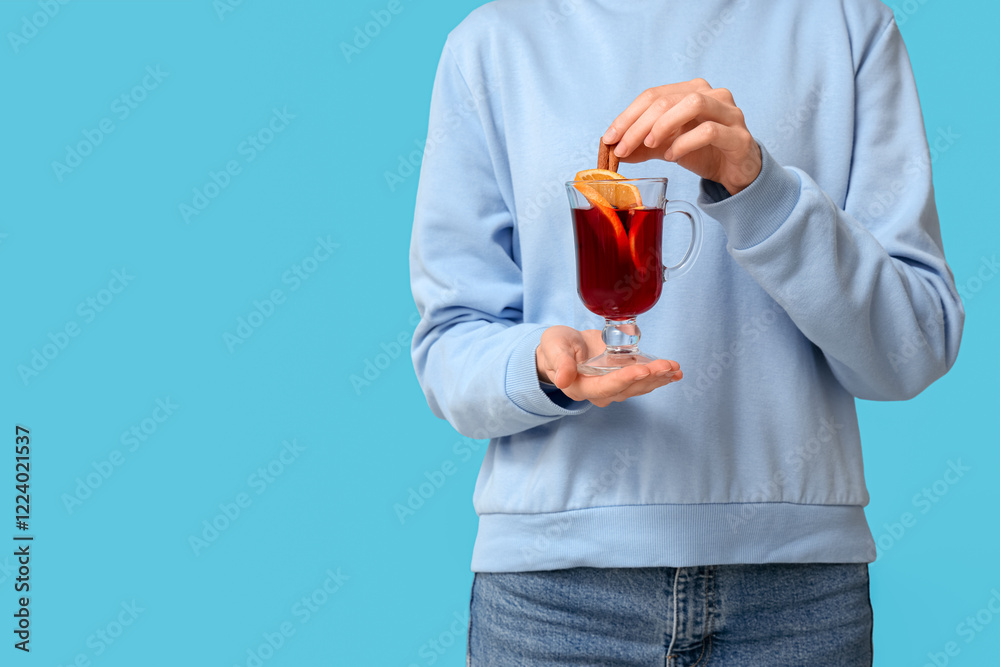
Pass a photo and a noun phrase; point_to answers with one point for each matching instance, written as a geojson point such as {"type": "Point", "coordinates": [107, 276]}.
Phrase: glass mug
{"type": "Point", "coordinates": [620, 272]}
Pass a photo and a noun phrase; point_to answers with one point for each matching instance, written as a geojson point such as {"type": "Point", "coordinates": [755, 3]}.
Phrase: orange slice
{"type": "Point", "coordinates": [618, 195]}
{"type": "Point", "coordinates": [607, 211]}
{"type": "Point", "coordinates": [599, 175]}
{"type": "Point", "coordinates": [635, 233]}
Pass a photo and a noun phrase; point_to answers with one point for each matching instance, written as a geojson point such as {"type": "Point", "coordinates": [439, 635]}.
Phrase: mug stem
{"type": "Point", "coordinates": [621, 336]}
{"type": "Point", "coordinates": [621, 340]}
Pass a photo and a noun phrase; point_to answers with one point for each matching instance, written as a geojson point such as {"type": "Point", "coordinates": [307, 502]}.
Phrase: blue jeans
{"type": "Point", "coordinates": [772, 615]}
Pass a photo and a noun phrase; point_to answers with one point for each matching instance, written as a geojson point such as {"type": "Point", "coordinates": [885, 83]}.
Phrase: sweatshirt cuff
{"type": "Point", "coordinates": [753, 214]}
{"type": "Point", "coordinates": [524, 388]}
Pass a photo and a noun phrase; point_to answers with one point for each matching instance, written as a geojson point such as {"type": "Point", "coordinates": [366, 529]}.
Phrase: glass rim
{"type": "Point", "coordinates": [659, 179]}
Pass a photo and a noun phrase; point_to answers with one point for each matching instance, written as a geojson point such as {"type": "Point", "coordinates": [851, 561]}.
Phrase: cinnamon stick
{"type": "Point", "coordinates": [606, 158]}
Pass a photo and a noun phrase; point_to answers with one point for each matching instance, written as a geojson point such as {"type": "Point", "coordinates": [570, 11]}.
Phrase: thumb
{"type": "Point", "coordinates": [570, 349]}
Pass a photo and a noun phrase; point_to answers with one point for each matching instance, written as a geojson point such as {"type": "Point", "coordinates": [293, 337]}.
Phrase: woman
{"type": "Point", "coordinates": [719, 521]}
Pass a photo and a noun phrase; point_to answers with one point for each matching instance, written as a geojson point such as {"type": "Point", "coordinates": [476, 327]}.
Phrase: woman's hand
{"type": "Point", "coordinates": [562, 348]}
{"type": "Point", "coordinates": [694, 125]}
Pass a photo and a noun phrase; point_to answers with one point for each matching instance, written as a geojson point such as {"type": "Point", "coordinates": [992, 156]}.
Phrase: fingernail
{"type": "Point", "coordinates": [661, 374]}
{"type": "Point", "coordinates": [642, 376]}
{"type": "Point", "coordinates": [609, 136]}
{"type": "Point", "coordinates": [620, 150]}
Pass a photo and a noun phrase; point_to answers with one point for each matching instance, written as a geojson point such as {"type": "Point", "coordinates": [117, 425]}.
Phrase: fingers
{"type": "Point", "coordinates": [612, 384]}
{"type": "Point", "coordinates": [639, 388]}
{"type": "Point", "coordinates": [732, 140]}
{"type": "Point", "coordinates": [654, 381]}
{"type": "Point", "coordinates": [693, 109]}
{"type": "Point", "coordinates": [642, 125]}
{"type": "Point", "coordinates": [640, 105]}
{"type": "Point", "coordinates": [629, 116]}
{"type": "Point", "coordinates": [628, 382]}
{"type": "Point", "coordinates": [658, 117]}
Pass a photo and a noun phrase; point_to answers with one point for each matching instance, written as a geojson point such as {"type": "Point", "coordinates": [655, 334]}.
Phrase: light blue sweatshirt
{"type": "Point", "coordinates": [824, 281]}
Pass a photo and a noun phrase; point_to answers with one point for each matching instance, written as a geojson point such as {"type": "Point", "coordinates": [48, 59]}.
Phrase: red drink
{"type": "Point", "coordinates": [619, 268]}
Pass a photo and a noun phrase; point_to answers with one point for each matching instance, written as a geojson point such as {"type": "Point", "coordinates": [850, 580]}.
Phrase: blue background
{"type": "Point", "coordinates": [329, 506]}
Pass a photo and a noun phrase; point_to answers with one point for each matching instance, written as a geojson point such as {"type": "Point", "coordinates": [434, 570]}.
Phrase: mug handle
{"type": "Point", "coordinates": [691, 255]}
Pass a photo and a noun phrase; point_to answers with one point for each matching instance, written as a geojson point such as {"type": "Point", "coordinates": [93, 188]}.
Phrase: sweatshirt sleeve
{"type": "Point", "coordinates": [868, 285]}
{"type": "Point", "coordinates": [473, 354]}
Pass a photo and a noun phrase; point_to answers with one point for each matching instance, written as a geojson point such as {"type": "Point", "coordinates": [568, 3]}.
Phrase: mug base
{"type": "Point", "coordinates": [608, 362]}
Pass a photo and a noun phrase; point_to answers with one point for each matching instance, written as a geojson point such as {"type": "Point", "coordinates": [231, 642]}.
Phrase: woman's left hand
{"type": "Point", "coordinates": [694, 125]}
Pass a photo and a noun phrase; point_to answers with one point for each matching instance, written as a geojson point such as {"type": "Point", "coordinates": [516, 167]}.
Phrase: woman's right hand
{"type": "Point", "coordinates": [562, 348]}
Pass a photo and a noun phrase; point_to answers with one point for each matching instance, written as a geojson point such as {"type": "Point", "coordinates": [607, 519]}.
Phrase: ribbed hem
{"type": "Point", "coordinates": [753, 214]}
{"type": "Point", "coordinates": [524, 389]}
{"type": "Point", "coordinates": [673, 536]}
